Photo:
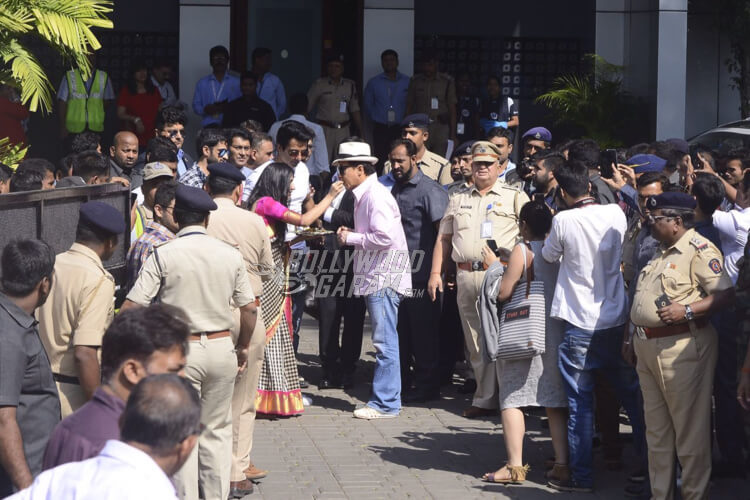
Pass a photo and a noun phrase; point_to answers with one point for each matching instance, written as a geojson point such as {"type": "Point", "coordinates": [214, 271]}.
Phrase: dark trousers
{"type": "Point", "coordinates": [339, 357]}
{"type": "Point", "coordinates": [607, 415]}
{"type": "Point", "coordinates": [419, 342]}
{"type": "Point", "coordinates": [382, 136]}
{"type": "Point", "coordinates": [730, 435]}
{"type": "Point", "coordinates": [451, 347]}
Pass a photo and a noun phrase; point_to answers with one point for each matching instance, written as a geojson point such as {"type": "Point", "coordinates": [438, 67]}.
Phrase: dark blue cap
{"type": "Point", "coordinates": [464, 149]}
{"type": "Point", "coordinates": [673, 199]}
{"type": "Point", "coordinates": [680, 145]}
{"type": "Point", "coordinates": [646, 163]}
{"type": "Point", "coordinates": [101, 216]}
{"type": "Point", "coordinates": [538, 133]}
{"type": "Point", "coordinates": [226, 170]}
{"type": "Point", "coordinates": [193, 199]}
{"type": "Point", "coordinates": [417, 120]}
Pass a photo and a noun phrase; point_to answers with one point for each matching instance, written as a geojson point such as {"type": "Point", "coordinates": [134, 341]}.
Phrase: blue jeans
{"type": "Point", "coordinates": [580, 354]}
{"type": "Point", "coordinates": [386, 384]}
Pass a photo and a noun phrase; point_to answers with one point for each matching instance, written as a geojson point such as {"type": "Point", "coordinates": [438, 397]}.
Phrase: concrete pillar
{"type": "Point", "coordinates": [612, 22]}
{"type": "Point", "coordinates": [671, 69]}
{"type": "Point", "coordinates": [203, 25]}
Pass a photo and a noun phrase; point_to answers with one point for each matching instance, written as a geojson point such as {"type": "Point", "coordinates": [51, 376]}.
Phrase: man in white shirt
{"type": "Point", "coordinates": [261, 155]}
{"type": "Point", "coordinates": [159, 429]}
{"type": "Point", "coordinates": [318, 162]}
{"type": "Point", "coordinates": [292, 145]}
{"type": "Point", "coordinates": [590, 298]}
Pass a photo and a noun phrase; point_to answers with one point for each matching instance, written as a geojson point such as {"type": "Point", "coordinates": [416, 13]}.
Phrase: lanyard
{"type": "Point", "coordinates": [213, 87]}
{"type": "Point", "coordinates": [584, 202]}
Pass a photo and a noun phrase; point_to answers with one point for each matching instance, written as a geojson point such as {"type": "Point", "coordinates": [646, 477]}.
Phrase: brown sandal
{"type": "Point", "coordinates": [517, 475]}
{"type": "Point", "coordinates": [559, 472]}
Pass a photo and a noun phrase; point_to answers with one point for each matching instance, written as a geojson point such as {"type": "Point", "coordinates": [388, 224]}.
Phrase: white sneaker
{"type": "Point", "coordinates": [306, 400]}
{"type": "Point", "coordinates": [368, 413]}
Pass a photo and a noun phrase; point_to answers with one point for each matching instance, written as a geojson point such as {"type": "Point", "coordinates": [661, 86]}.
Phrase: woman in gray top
{"type": "Point", "coordinates": [534, 381]}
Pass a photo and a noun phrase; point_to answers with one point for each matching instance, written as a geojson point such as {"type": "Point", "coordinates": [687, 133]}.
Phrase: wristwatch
{"type": "Point", "coordinates": [689, 313]}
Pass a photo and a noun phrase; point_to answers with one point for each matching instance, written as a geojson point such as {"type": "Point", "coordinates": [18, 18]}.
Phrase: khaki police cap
{"type": "Point", "coordinates": [484, 151]}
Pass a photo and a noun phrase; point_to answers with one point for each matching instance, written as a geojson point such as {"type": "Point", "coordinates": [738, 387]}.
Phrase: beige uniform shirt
{"type": "Point", "coordinates": [79, 309]}
{"type": "Point", "coordinates": [686, 272]}
{"type": "Point", "coordinates": [201, 275]}
{"type": "Point", "coordinates": [433, 166]}
{"type": "Point", "coordinates": [468, 209]}
{"type": "Point", "coordinates": [333, 102]}
{"type": "Point", "coordinates": [432, 96]}
{"type": "Point", "coordinates": [247, 231]}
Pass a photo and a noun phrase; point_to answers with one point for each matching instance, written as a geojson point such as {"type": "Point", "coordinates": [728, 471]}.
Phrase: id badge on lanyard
{"type": "Point", "coordinates": [485, 230]}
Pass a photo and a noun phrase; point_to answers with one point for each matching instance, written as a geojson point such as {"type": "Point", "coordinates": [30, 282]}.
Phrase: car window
{"type": "Point", "coordinates": [723, 142]}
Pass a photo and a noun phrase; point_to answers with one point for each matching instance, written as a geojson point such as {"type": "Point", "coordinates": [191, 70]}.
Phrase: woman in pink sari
{"type": "Point", "coordinates": [278, 388]}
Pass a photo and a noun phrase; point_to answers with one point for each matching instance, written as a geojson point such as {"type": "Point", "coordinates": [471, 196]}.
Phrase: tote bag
{"type": "Point", "coordinates": [522, 319]}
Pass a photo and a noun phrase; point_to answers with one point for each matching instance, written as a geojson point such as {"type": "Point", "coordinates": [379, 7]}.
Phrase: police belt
{"type": "Point", "coordinates": [211, 335]}
{"type": "Point", "coordinates": [334, 125]}
{"type": "Point", "coordinates": [66, 379]}
{"type": "Point", "coordinates": [475, 265]}
{"type": "Point", "coordinates": [670, 330]}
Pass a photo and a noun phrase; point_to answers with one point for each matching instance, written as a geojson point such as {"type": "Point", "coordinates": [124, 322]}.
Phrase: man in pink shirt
{"type": "Point", "coordinates": [382, 270]}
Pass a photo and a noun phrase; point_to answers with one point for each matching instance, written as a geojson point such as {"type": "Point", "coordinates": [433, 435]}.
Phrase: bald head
{"type": "Point", "coordinates": [161, 413]}
{"type": "Point", "coordinates": [124, 150]}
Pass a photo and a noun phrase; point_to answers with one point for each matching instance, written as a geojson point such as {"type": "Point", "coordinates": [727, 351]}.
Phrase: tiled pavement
{"type": "Point", "coordinates": [424, 453]}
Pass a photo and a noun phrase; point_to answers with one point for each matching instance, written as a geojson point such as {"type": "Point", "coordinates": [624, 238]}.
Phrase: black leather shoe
{"type": "Point", "coordinates": [469, 387]}
{"type": "Point", "coordinates": [239, 489]}
{"type": "Point", "coordinates": [325, 384]}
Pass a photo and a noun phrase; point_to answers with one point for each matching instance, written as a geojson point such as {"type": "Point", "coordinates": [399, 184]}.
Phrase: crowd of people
{"type": "Point", "coordinates": [631, 266]}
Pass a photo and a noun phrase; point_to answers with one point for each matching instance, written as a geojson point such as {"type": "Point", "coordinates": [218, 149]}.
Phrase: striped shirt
{"type": "Point", "coordinates": [140, 250]}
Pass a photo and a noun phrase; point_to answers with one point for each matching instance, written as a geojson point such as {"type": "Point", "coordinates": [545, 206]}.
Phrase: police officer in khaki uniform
{"type": "Point", "coordinates": [461, 157]}
{"type": "Point", "coordinates": [434, 94]}
{"type": "Point", "coordinates": [246, 230]}
{"type": "Point", "coordinates": [203, 276]}
{"type": "Point", "coordinates": [676, 345]}
{"type": "Point", "coordinates": [81, 305]}
{"type": "Point", "coordinates": [415, 128]}
{"type": "Point", "coordinates": [333, 103]}
{"type": "Point", "coordinates": [489, 210]}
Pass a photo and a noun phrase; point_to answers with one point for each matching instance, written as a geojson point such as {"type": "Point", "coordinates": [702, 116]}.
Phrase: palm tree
{"type": "Point", "coordinates": [594, 102]}
{"type": "Point", "coordinates": [65, 24]}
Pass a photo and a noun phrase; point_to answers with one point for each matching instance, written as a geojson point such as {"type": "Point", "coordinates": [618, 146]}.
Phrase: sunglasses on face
{"type": "Point", "coordinates": [175, 133]}
{"type": "Point", "coordinates": [223, 153]}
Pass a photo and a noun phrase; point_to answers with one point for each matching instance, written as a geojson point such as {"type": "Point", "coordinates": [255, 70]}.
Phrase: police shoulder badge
{"type": "Point", "coordinates": [715, 266]}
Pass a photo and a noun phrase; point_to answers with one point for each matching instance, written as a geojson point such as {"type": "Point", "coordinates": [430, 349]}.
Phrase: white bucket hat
{"type": "Point", "coordinates": [354, 152]}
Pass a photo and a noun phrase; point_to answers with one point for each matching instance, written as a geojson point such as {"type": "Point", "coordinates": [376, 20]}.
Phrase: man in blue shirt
{"type": "Point", "coordinates": [214, 91]}
{"type": "Point", "coordinates": [385, 103]}
{"type": "Point", "coordinates": [269, 86]}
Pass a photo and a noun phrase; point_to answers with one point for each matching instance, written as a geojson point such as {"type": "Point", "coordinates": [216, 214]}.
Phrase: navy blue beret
{"type": "Point", "coordinates": [673, 199]}
{"type": "Point", "coordinates": [226, 170]}
{"type": "Point", "coordinates": [102, 216]}
{"type": "Point", "coordinates": [646, 163]}
{"type": "Point", "coordinates": [538, 133]}
{"type": "Point", "coordinates": [193, 199]}
{"type": "Point", "coordinates": [464, 149]}
{"type": "Point", "coordinates": [417, 120]}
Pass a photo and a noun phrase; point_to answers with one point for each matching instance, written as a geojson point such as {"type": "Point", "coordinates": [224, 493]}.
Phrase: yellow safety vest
{"type": "Point", "coordinates": [140, 223]}
{"type": "Point", "coordinates": [85, 107]}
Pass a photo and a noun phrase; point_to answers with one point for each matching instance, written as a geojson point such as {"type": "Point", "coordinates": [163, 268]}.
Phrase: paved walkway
{"type": "Point", "coordinates": [424, 453]}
